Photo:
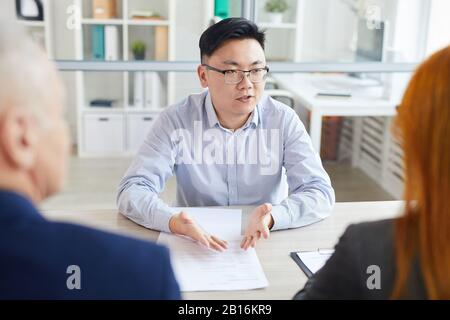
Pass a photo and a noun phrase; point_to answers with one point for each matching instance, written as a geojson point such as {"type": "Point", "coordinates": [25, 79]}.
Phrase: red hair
{"type": "Point", "coordinates": [423, 128]}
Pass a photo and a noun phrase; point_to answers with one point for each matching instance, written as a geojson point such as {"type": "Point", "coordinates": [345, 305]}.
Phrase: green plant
{"type": "Point", "coordinates": [138, 49]}
{"type": "Point", "coordinates": [276, 6]}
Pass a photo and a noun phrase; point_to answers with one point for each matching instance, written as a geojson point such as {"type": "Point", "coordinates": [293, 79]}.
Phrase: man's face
{"type": "Point", "coordinates": [52, 148]}
{"type": "Point", "coordinates": [231, 100]}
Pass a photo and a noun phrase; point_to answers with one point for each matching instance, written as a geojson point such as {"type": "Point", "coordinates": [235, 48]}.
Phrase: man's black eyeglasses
{"type": "Point", "coordinates": [234, 76]}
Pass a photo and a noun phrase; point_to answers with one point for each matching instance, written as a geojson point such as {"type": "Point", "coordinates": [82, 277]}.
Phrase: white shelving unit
{"type": "Point", "coordinates": [283, 39]}
{"type": "Point", "coordinates": [119, 130]}
{"type": "Point", "coordinates": [41, 30]}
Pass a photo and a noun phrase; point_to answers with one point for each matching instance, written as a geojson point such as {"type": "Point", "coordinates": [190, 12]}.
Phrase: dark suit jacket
{"type": "Point", "coordinates": [35, 254]}
{"type": "Point", "coordinates": [346, 274]}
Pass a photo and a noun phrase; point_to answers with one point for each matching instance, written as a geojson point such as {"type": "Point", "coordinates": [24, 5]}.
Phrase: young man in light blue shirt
{"type": "Point", "coordinates": [229, 145]}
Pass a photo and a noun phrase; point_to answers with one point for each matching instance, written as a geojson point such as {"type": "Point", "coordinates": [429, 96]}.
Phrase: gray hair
{"type": "Point", "coordinates": [27, 78]}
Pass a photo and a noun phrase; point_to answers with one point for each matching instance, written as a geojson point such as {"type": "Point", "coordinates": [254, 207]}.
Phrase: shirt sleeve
{"type": "Point", "coordinates": [138, 192]}
{"type": "Point", "coordinates": [311, 196]}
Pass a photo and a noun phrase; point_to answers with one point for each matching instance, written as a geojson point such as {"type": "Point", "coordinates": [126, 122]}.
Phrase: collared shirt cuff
{"type": "Point", "coordinates": [162, 219]}
{"type": "Point", "coordinates": [281, 217]}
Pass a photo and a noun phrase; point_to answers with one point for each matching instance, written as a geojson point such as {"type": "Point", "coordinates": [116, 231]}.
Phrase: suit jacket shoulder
{"type": "Point", "coordinates": [362, 267]}
{"type": "Point", "coordinates": [39, 257]}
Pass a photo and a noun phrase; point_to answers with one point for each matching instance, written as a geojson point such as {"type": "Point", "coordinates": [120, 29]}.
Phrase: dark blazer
{"type": "Point", "coordinates": [346, 274]}
{"type": "Point", "coordinates": [36, 253]}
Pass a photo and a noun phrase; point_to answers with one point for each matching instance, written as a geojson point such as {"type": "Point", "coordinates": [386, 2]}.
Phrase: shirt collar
{"type": "Point", "coordinates": [213, 120]}
{"type": "Point", "coordinates": [210, 112]}
{"type": "Point", "coordinates": [254, 117]}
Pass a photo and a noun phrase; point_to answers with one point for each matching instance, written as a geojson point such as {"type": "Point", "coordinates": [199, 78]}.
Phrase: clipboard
{"type": "Point", "coordinates": [306, 270]}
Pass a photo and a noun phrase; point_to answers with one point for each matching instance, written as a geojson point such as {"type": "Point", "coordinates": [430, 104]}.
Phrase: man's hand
{"type": "Point", "coordinates": [183, 224]}
{"type": "Point", "coordinates": [259, 225]}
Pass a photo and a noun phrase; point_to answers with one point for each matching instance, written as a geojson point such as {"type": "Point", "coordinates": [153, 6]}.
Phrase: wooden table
{"type": "Point", "coordinates": [284, 276]}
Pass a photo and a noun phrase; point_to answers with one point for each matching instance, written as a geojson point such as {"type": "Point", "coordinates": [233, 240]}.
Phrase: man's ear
{"type": "Point", "coordinates": [18, 137]}
{"type": "Point", "coordinates": [201, 71]}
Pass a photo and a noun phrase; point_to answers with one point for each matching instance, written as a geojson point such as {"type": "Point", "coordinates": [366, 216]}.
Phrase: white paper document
{"type": "Point", "coordinates": [198, 268]}
{"type": "Point", "coordinates": [315, 260]}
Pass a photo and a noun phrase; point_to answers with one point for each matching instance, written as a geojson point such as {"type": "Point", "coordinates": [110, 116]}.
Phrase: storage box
{"type": "Point", "coordinates": [103, 133]}
{"type": "Point", "coordinates": [138, 126]}
{"type": "Point", "coordinates": [104, 9]}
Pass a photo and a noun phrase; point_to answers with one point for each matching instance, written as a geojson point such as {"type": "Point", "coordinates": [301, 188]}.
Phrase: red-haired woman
{"type": "Point", "coordinates": [413, 251]}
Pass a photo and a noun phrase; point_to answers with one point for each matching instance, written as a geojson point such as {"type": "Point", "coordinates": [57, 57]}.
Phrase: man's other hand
{"type": "Point", "coordinates": [259, 225]}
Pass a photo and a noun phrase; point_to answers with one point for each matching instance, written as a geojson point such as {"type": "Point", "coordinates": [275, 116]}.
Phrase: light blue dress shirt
{"type": "Point", "coordinates": [269, 159]}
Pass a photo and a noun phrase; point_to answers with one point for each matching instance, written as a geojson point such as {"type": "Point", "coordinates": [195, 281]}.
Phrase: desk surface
{"type": "Point", "coordinates": [284, 276]}
{"type": "Point", "coordinates": [304, 88]}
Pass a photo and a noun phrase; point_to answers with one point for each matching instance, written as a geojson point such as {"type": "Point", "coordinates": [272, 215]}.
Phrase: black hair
{"type": "Point", "coordinates": [226, 29]}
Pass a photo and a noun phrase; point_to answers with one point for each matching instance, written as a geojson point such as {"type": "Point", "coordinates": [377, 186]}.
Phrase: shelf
{"type": "Point", "coordinates": [130, 22]}
{"type": "Point", "coordinates": [102, 21]}
{"type": "Point", "coordinates": [283, 25]}
{"type": "Point", "coordinates": [31, 23]}
{"type": "Point", "coordinates": [143, 110]}
{"type": "Point", "coordinates": [143, 22]}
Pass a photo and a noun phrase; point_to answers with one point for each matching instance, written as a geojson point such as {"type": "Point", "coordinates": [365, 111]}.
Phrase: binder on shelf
{"type": "Point", "coordinates": [111, 43]}
{"type": "Point", "coordinates": [152, 90]}
{"type": "Point", "coordinates": [222, 8]}
{"type": "Point", "coordinates": [161, 42]}
{"type": "Point", "coordinates": [98, 42]}
{"type": "Point", "coordinates": [138, 97]}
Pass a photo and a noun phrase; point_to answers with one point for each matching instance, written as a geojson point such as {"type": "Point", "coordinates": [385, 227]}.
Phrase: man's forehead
{"type": "Point", "coordinates": [239, 52]}
{"type": "Point", "coordinates": [230, 60]}
{"type": "Point", "coordinates": [237, 64]}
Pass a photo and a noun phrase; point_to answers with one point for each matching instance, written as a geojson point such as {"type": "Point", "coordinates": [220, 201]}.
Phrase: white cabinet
{"type": "Point", "coordinates": [103, 134]}
{"type": "Point", "coordinates": [138, 126]}
{"type": "Point", "coordinates": [106, 134]}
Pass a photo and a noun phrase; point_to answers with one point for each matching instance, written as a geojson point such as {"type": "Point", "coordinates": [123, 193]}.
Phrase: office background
{"type": "Point", "coordinates": [110, 111]}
